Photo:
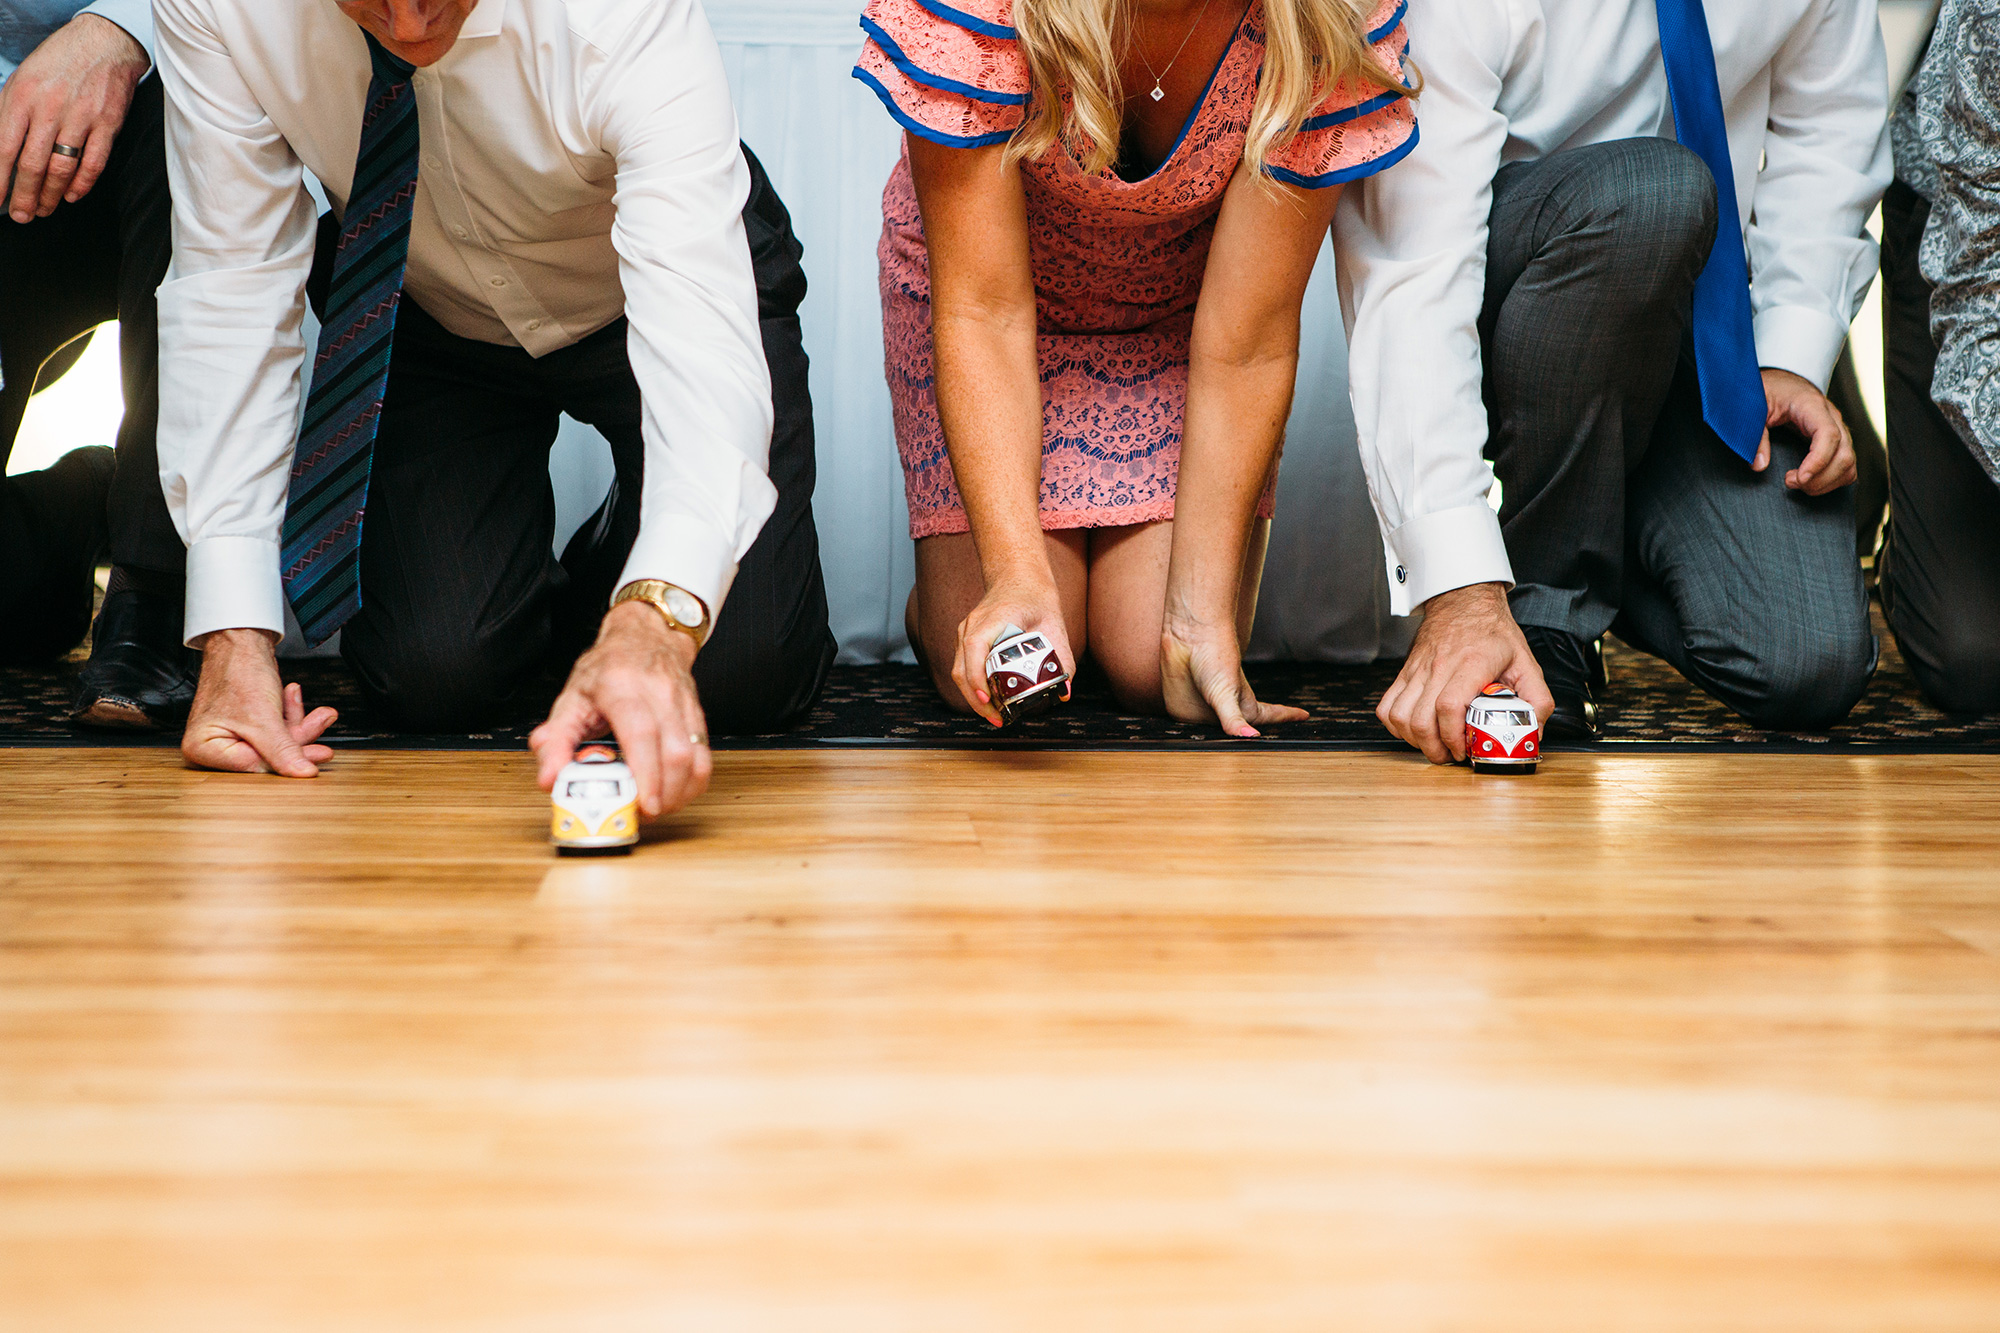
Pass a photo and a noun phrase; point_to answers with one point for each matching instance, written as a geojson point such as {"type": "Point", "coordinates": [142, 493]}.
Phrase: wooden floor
{"type": "Point", "coordinates": [951, 1043]}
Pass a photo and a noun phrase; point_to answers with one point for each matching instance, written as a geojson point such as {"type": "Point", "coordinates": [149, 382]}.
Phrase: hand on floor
{"type": "Point", "coordinates": [1201, 676]}
{"type": "Point", "coordinates": [1468, 641]}
{"type": "Point", "coordinates": [245, 719]}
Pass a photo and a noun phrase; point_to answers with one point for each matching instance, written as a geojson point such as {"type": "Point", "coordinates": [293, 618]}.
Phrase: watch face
{"type": "Point", "coordinates": [687, 608]}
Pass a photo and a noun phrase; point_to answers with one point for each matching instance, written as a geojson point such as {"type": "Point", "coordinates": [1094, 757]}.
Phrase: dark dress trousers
{"type": "Point", "coordinates": [1939, 573]}
{"type": "Point", "coordinates": [467, 618]}
{"type": "Point", "coordinates": [99, 259]}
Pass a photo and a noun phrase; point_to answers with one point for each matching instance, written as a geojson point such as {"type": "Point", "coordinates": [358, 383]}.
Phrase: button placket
{"type": "Point", "coordinates": [509, 298]}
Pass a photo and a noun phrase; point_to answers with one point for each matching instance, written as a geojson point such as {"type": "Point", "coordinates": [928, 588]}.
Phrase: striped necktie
{"type": "Point", "coordinates": [321, 556]}
{"type": "Point", "coordinates": [1725, 340]}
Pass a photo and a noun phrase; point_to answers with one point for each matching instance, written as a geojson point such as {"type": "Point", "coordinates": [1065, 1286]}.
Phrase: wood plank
{"type": "Point", "coordinates": [977, 1041]}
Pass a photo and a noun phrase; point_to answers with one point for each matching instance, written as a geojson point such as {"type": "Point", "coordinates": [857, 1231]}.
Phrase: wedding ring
{"type": "Point", "coordinates": [697, 739]}
{"type": "Point", "coordinates": [64, 150]}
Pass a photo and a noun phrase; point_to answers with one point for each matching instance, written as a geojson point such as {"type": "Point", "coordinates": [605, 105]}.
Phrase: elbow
{"type": "Point", "coordinates": [1255, 351]}
{"type": "Point", "coordinates": [1247, 340]}
{"type": "Point", "coordinates": [986, 313]}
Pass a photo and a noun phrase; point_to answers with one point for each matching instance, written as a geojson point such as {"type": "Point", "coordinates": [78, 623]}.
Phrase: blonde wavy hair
{"type": "Point", "coordinates": [1072, 46]}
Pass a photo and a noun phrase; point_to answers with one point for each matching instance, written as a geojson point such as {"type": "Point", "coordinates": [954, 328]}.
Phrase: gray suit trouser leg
{"type": "Point", "coordinates": [1940, 565]}
{"type": "Point", "coordinates": [1619, 506]}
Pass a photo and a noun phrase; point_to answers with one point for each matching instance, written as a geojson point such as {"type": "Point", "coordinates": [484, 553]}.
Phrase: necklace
{"type": "Point", "coordinates": [1159, 93]}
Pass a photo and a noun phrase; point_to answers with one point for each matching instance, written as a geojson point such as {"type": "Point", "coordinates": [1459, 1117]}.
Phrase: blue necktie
{"type": "Point", "coordinates": [321, 556]}
{"type": "Point", "coordinates": [1725, 344]}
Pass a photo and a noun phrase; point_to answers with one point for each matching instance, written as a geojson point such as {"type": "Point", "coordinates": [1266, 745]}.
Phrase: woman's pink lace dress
{"type": "Point", "coordinates": [1117, 264]}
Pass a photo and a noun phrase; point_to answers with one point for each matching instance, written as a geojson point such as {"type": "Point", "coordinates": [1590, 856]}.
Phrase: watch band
{"type": "Point", "coordinates": [653, 592]}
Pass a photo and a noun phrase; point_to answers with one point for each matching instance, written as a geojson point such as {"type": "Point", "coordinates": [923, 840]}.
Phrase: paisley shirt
{"type": "Point", "coordinates": [1947, 139]}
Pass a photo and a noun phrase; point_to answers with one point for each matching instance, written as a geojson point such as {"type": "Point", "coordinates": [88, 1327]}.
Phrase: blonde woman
{"type": "Point", "coordinates": [1093, 255]}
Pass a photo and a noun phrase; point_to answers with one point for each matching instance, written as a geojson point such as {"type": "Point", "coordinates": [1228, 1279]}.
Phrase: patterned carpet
{"type": "Point", "coordinates": [1650, 708]}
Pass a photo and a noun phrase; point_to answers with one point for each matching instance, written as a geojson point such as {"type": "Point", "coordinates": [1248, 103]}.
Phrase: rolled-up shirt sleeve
{"type": "Point", "coordinates": [690, 299]}
{"type": "Point", "coordinates": [1826, 163]}
{"type": "Point", "coordinates": [232, 311]}
{"type": "Point", "coordinates": [134, 16]}
{"type": "Point", "coordinates": [1411, 250]}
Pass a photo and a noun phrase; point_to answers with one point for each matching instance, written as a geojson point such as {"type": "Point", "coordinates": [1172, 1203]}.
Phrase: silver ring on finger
{"type": "Point", "coordinates": [698, 739]}
{"type": "Point", "coordinates": [65, 150]}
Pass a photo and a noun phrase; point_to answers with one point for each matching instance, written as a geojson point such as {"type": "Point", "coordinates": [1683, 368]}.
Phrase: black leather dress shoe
{"type": "Point", "coordinates": [139, 677]}
{"type": "Point", "coordinates": [65, 510]}
{"type": "Point", "coordinates": [1573, 669]}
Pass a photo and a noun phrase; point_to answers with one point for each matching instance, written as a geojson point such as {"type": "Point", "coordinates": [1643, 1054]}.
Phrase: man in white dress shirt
{"type": "Point", "coordinates": [573, 238]}
{"type": "Point", "coordinates": [1520, 290]}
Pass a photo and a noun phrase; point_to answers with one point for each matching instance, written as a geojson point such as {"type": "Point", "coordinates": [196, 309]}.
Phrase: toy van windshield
{"type": "Point", "coordinates": [594, 805]}
{"type": "Point", "coordinates": [1023, 674]}
{"type": "Point", "coordinates": [1502, 736]}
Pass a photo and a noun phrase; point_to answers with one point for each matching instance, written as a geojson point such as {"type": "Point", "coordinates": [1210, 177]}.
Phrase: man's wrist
{"type": "Point", "coordinates": [225, 642]}
{"type": "Point", "coordinates": [1485, 596]}
{"type": "Point", "coordinates": [131, 49]}
{"type": "Point", "coordinates": [643, 622]}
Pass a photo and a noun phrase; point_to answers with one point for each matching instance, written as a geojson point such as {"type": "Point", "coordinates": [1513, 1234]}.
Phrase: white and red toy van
{"type": "Point", "coordinates": [594, 806]}
{"type": "Point", "coordinates": [1502, 734]}
{"type": "Point", "coordinates": [1023, 673]}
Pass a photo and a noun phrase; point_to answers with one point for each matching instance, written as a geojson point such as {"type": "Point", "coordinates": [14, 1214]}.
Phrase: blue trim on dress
{"type": "Point", "coordinates": [918, 74]}
{"type": "Point", "coordinates": [1356, 112]}
{"type": "Point", "coordinates": [923, 131]}
{"type": "Point", "coordinates": [1345, 174]}
{"type": "Point", "coordinates": [1395, 20]}
{"type": "Point", "coordinates": [972, 23]}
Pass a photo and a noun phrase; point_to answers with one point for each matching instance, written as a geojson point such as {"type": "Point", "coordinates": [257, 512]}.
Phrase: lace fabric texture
{"type": "Point", "coordinates": [1117, 264]}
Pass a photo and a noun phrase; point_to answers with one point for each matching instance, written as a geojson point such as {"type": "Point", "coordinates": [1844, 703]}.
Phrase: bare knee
{"type": "Point", "coordinates": [948, 691]}
{"type": "Point", "coordinates": [1132, 668]}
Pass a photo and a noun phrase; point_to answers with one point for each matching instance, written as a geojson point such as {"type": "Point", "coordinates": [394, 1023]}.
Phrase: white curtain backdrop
{"type": "Point", "coordinates": [829, 147]}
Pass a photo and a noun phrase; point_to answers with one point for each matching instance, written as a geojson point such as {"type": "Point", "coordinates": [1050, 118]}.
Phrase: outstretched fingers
{"type": "Point", "coordinates": [1261, 714]}
{"type": "Point", "coordinates": [307, 728]}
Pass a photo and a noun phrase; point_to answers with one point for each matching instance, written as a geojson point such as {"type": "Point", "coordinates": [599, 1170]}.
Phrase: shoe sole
{"type": "Point", "coordinates": [114, 714]}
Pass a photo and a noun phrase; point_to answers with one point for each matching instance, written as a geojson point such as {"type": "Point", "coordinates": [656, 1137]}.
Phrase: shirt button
{"type": "Point", "coordinates": [1402, 575]}
{"type": "Point", "coordinates": [497, 281]}
{"type": "Point", "coordinates": [461, 233]}
{"type": "Point", "coordinates": [430, 160]}
{"type": "Point", "coordinates": [534, 324]}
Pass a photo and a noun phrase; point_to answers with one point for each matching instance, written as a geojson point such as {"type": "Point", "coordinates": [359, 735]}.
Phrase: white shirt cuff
{"type": "Point", "coordinates": [232, 583]}
{"type": "Point", "coordinates": [687, 553]}
{"type": "Point", "coordinates": [1804, 341]}
{"type": "Point", "coordinates": [1454, 548]}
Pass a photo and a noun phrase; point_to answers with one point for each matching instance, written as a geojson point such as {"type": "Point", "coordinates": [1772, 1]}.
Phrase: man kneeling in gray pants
{"type": "Point", "coordinates": [1552, 284]}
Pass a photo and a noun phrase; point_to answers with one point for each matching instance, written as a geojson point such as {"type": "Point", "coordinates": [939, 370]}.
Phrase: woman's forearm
{"type": "Point", "coordinates": [990, 402]}
{"type": "Point", "coordinates": [1243, 359]}
{"type": "Point", "coordinates": [1235, 425]}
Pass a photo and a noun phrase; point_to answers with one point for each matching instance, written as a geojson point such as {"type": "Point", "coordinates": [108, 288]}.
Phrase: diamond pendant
{"type": "Point", "coordinates": [1157, 94]}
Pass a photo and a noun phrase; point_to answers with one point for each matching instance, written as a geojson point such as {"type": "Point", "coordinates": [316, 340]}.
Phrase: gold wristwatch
{"type": "Point", "coordinates": [681, 609]}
